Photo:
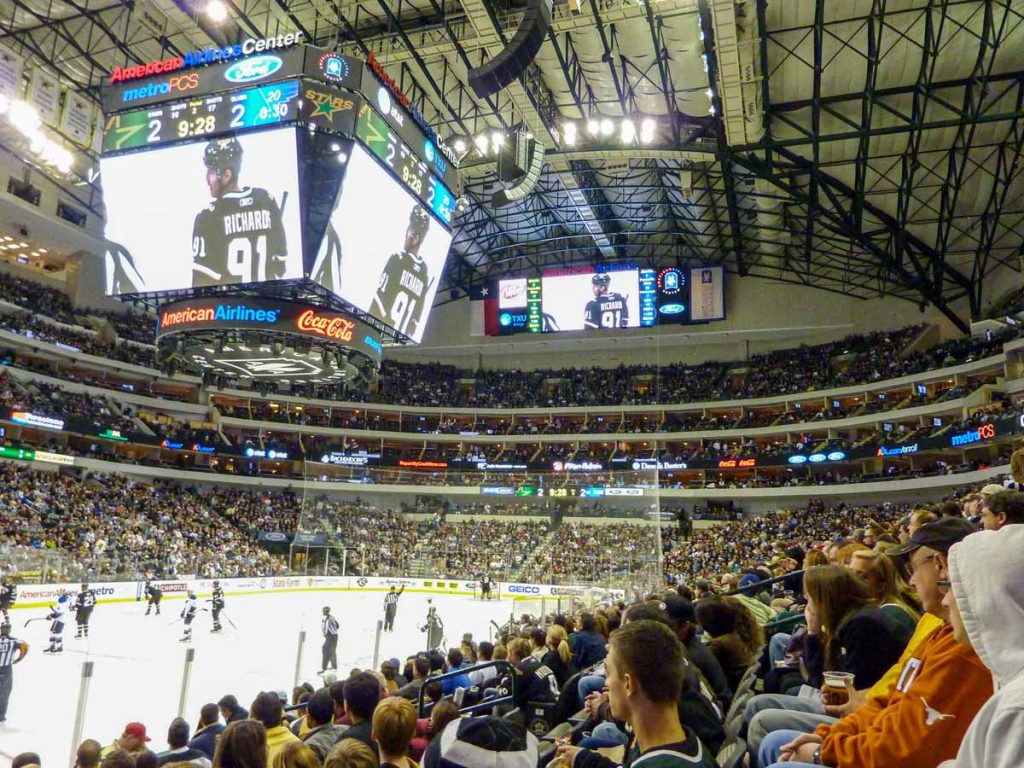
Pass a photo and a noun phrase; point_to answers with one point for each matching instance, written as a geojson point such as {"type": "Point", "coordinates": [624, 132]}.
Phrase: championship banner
{"type": "Point", "coordinates": [10, 73]}
{"type": "Point", "coordinates": [76, 122]}
{"type": "Point", "coordinates": [44, 95]}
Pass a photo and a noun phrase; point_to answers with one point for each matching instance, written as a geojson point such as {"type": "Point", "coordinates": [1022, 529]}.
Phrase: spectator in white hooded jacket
{"type": "Point", "coordinates": [986, 602]}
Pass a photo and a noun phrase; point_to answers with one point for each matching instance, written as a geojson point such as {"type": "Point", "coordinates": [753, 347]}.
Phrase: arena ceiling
{"type": "Point", "coordinates": [866, 147]}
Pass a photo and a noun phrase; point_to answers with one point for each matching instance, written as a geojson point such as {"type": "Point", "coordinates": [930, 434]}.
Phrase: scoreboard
{"type": "Point", "coordinates": [332, 179]}
{"type": "Point", "coordinates": [203, 117]}
{"type": "Point", "coordinates": [374, 131]}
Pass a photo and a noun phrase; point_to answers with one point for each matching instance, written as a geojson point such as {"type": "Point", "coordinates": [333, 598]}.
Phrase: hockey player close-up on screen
{"type": "Point", "coordinates": [239, 237]}
{"type": "Point", "coordinates": [605, 310]}
{"type": "Point", "coordinates": [404, 281]}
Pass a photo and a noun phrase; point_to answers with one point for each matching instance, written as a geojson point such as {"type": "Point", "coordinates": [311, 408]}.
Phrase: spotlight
{"type": "Point", "coordinates": [607, 127]}
{"type": "Point", "coordinates": [481, 144]}
{"type": "Point", "coordinates": [628, 133]}
{"type": "Point", "coordinates": [460, 146]}
{"type": "Point", "coordinates": [497, 139]}
{"type": "Point", "coordinates": [23, 116]}
{"type": "Point", "coordinates": [593, 127]}
{"type": "Point", "coordinates": [647, 131]}
{"type": "Point", "coordinates": [569, 134]}
{"type": "Point", "coordinates": [216, 11]}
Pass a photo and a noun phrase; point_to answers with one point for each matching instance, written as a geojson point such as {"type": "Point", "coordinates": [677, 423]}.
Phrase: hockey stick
{"type": "Point", "coordinates": [228, 620]}
{"type": "Point", "coordinates": [40, 618]}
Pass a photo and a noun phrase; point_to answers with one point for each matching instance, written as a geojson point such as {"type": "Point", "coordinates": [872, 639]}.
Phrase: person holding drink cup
{"type": "Point", "coordinates": [847, 632]}
{"type": "Point", "coordinates": [921, 718]}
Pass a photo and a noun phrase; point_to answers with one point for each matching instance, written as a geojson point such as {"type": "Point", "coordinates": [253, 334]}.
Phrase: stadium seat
{"type": "Point", "coordinates": [539, 717]}
{"type": "Point", "coordinates": [733, 721]}
{"type": "Point", "coordinates": [732, 753]}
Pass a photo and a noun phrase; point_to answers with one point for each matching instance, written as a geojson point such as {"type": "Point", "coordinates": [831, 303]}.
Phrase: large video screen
{"type": "Point", "coordinates": [619, 298]}
{"type": "Point", "coordinates": [591, 301]}
{"type": "Point", "coordinates": [218, 212]}
{"type": "Point", "coordinates": [383, 251]}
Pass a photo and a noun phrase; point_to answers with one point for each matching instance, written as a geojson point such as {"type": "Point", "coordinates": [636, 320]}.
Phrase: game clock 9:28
{"type": "Point", "coordinates": [197, 126]}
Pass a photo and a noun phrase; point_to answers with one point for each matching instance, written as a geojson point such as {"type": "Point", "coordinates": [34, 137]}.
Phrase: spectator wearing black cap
{"type": "Point", "coordinates": [938, 692]}
{"type": "Point", "coordinates": [684, 621]}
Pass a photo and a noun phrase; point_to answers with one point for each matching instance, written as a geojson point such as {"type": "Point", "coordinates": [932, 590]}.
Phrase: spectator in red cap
{"type": "Point", "coordinates": [133, 740]}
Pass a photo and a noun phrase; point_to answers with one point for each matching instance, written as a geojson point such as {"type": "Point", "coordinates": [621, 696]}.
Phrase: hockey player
{"type": "Point", "coordinates": [391, 607]}
{"type": "Point", "coordinates": [485, 586]}
{"type": "Point", "coordinates": [404, 283]}
{"type": "Point", "coordinates": [239, 237]}
{"type": "Point", "coordinates": [56, 617]}
{"type": "Point", "coordinates": [605, 310]}
{"type": "Point", "coordinates": [153, 597]}
{"type": "Point", "coordinates": [216, 605]}
{"type": "Point", "coordinates": [188, 612]}
{"type": "Point", "coordinates": [434, 628]}
{"type": "Point", "coordinates": [8, 596]}
{"type": "Point", "coordinates": [84, 603]}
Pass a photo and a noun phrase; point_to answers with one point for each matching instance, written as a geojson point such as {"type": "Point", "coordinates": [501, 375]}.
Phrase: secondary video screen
{"type": "Point", "coordinates": [594, 300]}
{"type": "Point", "coordinates": [383, 252]}
{"type": "Point", "coordinates": [210, 213]}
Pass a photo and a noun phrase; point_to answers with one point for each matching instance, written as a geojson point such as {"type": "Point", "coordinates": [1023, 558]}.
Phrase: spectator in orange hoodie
{"type": "Point", "coordinates": [938, 693]}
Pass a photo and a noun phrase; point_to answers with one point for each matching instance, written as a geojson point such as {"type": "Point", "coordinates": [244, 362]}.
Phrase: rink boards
{"type": "Point", "coordinates": [44, 595]}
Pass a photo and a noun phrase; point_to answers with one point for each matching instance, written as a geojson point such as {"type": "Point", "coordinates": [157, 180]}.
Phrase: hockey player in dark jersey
{"type": "Point", "coordinates": [605, 310]}
{"type": "Point", "coordinates": [404, 281]}
{"type": "Point", "coordinates": [153, 597]}
{"type": "Point", "coordinates": [8, 596]}
{"type": "Point", "coordinates": [85, 601]}
{"type": "Point", "coordinates": [216, 605]}
{"type": "Point", "coordinates": [239, 237]}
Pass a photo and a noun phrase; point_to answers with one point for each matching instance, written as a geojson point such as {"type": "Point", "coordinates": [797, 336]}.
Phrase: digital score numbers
{"type": "Point", "coordinates": [379, 138]}
{"type": "Point", "coordinates": [211, 115]}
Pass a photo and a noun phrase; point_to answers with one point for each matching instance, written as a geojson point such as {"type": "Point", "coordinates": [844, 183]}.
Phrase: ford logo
{"type": "Point", "coordinates": [256, 68]}
{"type": "Point", "coordinates": [672, 309]}
{"type": "Point", "coordinates": [836, 456]}
{"type": "Point", "coordinates": [816, 458]}
{"type": "Point", "coordinates": [797, 459]}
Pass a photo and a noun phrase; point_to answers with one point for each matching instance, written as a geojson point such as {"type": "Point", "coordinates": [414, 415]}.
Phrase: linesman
{"type": "Point", "coordinates": [9, 646]}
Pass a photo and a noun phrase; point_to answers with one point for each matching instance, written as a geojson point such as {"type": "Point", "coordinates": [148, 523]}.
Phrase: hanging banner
{"type": "Point", "coordinates": [10, 73]}
{"type": "Point", "coordinates": [76, 122]}
{"type": "Point", "coordinates": [44, 95]}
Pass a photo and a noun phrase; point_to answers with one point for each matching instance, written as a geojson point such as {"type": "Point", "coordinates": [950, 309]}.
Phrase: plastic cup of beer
{"type": "Point", "coordinates": [837, 688]}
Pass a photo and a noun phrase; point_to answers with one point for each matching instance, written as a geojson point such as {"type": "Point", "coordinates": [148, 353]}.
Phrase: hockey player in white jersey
{"type": "Point", "coordinates": [56, 617]}
{"type": "Point", "coordinates": [188, 613]}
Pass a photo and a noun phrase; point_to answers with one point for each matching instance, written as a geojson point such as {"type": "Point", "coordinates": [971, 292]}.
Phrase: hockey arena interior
{"type": "Point", "coordinates": [478, 384]}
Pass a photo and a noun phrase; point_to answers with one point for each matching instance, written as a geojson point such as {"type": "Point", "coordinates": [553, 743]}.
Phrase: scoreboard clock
{"type": "Point", "coordinates": [198, 118]}
{"type": "Point", "coordinates": [375, 133]}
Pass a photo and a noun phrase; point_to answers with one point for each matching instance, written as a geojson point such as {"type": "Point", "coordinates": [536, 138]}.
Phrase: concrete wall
{"type": "Point", "coordinates": [761, 316]}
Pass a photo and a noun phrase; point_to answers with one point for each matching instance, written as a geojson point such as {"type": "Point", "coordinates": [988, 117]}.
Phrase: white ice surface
{"type": "Point", "coordinates": [139, 661]}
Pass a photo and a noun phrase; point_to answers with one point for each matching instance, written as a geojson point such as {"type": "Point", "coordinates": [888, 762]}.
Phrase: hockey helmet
{"type": "Point", "coordinates": [5, 629]}
{"type": "Point", "coordinates": [419, 220]}
{"type": "Point", "coordinates": [62, 599]}
{"type": "Point", "coordinates": [223, 154]}
{"type": "Point", "coordinates": [601, 278]}
{"type": "Point", "coordinates": [216, 583]}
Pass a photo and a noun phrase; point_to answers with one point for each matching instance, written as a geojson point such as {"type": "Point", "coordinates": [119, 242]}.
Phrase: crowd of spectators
{"type": "Point", "coordinates": [461, 549]}
{"type": "Point", "coordinates": [105, 525]}
{"type": "Point", "coordinates": [46, 399]}
{"type": "Point", "coordinates": [593, 552]}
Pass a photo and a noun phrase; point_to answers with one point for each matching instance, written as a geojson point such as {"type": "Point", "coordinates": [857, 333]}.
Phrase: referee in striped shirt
{"type": "Point", "coordinates": [329, 625]}
{"type": "Point", "coordinates": [8, 647]}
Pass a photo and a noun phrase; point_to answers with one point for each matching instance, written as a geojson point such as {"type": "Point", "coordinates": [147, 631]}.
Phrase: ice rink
{"type": "Point", "coordinates": [139, 661]}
